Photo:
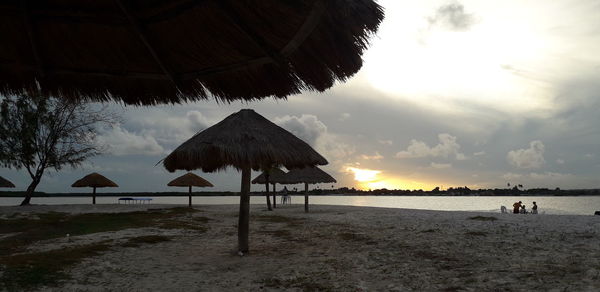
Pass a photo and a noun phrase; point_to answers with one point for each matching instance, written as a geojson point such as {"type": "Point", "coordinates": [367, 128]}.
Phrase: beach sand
{"type": "Point", "coordinates": [339, 248]}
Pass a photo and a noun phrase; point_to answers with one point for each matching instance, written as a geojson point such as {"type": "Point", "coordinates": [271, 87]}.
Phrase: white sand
{"type": "Point", "coordinates": [341, 248]}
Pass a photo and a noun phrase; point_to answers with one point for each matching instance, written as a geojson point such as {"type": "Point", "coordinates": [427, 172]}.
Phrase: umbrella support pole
{"type": "Point", "coordinates": [190, 198]}
{"type": "Point", "coordinates": [244, 216]}
{"type": "Point", "coordinates": [268, 198]}
{"type": "Point", "coordinates": [94, 196]}
{"type": "Point", "coordinates": [306, 197]}
{"type": "Point", "coordinates": [267, 194]}
{"type": "Point", "coordinates": [274, 198]}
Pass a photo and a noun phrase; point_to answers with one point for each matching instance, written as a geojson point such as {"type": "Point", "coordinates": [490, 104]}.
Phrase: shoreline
{"type": "Point", "coordinates": [122, 208]}
{"type": "Point", "coordinates": [4, 194]}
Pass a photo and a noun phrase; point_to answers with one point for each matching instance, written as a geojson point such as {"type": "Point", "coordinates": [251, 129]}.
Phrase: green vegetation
{"type": "Point", "coordinates": [431, 230]}
{"type": "Point", "coordinates": [38, 133]}
{"type": "Point", "coordinates": [55, 225]}
{"type": "Point", "coordinates": [303, 283]}
{"type": "Point", "coordinates": [280, 219]}
{"type": "Point", "coordinates": [280, 233]}
{"type": "Point", "coordinates": [27, 271]}
{"type": "Point", "coordinates": [351, 236]}
{"type": "Point", "coordinates": [146, 239]}
{"type": "Point", "coordinates": [483, 218]}
{"type": "Point", "coordinates": [476, 233]}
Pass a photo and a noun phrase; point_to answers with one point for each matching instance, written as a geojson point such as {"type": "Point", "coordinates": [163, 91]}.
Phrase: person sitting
{"type": "Point", "coordinates": [523, 210]}
{"type": "Point", "coordinates": [534, 208]}
{"type": "Point", "coordinates": [516, 207]}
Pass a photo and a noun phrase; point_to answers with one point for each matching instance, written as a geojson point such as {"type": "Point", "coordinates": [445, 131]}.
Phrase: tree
{"type": "Point", "coordinates": [37, 133]}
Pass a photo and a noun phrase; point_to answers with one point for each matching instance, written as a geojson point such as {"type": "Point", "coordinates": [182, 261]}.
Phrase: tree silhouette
{"type": "Point", "coordinates": [38, 133]}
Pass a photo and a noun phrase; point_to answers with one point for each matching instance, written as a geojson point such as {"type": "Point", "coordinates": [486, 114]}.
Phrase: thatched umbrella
{"type": "Point", "coordinates": [4, 183]}
{"type": "Point", "coordinates": [190, 180]}
{"type": "Point", "coordinates": [246, 141]}
{"type": "Point", "coordinates": [149, 52]}
{"type": "Point", "coordinates": [272, 175]}
{"type": "Point", "coordinates": [307, 175]}
{"type": "Point", "coordinates": [94, 180]}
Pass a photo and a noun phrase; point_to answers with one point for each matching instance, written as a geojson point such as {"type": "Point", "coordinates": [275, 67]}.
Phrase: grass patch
{"type": "Point", "coordinates": [483, 218]}
{"type": "Point", "coordinates": [291, 222]}
{"type": "Point", "coordinates": [303, 283]}
{"type": "Point", "coordinates": [146, 239]}
{"type": "Point", "coordinates": [441, 260]}
{"type": "Point", "coordinates": [476, 233]}
{"type": "Point", "coordinates": [280, 233]}
{"type": "Point", "coordinates": [27, 271]}
{"type": "Point", "coordinates": [430, 230]}
{"type": "Point", "coordinates": [56, 225]}
{"type": "Point", "coordinates": [351, 236]}
{"type": "Point", "coordinates": [194, 223]}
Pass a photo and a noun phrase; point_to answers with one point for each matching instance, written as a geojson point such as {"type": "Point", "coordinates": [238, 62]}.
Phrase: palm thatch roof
{"type": "Point", "coordinates": [4, 183]}
{"type": "Point", "coordinates": [310, 175]}
{"type": "Point", "coordinates": [161, 51]}
{"type": "Point", "coordinates": [243, 139]}
{"type": "Point", "coordinates": [94, 180]}
{"type": "Point", "coordinates": [276, 175]}
{"type": "Point", "coordinates": [189, 179]}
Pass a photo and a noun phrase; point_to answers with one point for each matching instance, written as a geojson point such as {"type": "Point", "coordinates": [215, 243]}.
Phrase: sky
{"type": "Point", "coordinates": [452, 93]}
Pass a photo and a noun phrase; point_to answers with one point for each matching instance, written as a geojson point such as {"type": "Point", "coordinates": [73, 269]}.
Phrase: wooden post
{"type": "Point", "coordinates": [306, 197]}
{"type": "Point", "coordinates": [267, 194]}
{"type": "Point", "coordinates": [274, 197]}
{"type": "Point", "coordinates": [190, 197]}
{"type": "Point", "coordinates": [94, 196]}
{"type": "Point", "coordinates": [244, 216]}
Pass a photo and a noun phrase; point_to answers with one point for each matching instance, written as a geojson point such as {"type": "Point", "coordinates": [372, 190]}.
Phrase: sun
{"type": "Point", "coordinates": [370, 179]}
{"type": "Point", "coordinates": [364, 175]}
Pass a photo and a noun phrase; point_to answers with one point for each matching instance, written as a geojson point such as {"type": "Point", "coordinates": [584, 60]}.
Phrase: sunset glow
{"type": "Point", "coordinates": [369, 179]}
{"type": "Point", "coordinates": [364, 175]}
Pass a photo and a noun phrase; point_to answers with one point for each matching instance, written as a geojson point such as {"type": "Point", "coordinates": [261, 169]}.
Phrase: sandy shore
{"type": "Point", "coordinates": [341, 248]}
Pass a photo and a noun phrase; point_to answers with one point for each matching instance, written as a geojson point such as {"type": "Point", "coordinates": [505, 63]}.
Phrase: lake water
{"type": "Point", "coordinates": [579, 205]}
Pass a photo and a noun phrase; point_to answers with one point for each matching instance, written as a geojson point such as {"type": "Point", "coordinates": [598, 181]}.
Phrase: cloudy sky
{"type": "Point", "coordinates": [470, 93]}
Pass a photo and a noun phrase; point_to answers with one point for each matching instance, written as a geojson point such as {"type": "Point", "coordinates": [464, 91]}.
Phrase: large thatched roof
{"type": "Point", "coordinates": [242, 139]}
{"type": "Point", "coordinates": [311, 175]}
{"type": "Point", "coordinates": [94, 180]}
{"type": "Point", "coordinates": [276, 175]}
{"type": "Point", "coordinates": [189, 179]}
{"type": "Point", "coordinates": [169, 51]}
{"type": "Point", "coordinates": [4, 183]}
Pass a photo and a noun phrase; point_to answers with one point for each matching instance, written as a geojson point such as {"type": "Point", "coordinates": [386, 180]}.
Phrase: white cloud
{"type": "Point", "coordinates": [550, 176]}
{"type": "Point", "coordinates": [511, 176]}
{"type": "Point", "coordinates": [376, 156]}
{"type": "Point", "coordinates": [306, 127]}
{"type": "Point", "coordinates": [314, 132]}
{"type": "Point", "coordinates": [385, 142]}
{"type": "Point", "coordinates": [452, 16]}
{"type": "Point", "coordinates": [344, 116]}
{"type": "Point", "coordinates": [480, 153]}
{"type": "Point", "coordinates": [533, 157]}
{"type": "Point", "coordinates": [171, 129]}
{"type": "Point", "coordinates": [447, 147]}
{"type": "Point", "coordinates": [122, 142]}
{"type": "Point", "coordinates": [589, 155]}
{"type": "Point", "coordinates": [560, 161]}
{"type": "Point", "coordinates": [440, 165]}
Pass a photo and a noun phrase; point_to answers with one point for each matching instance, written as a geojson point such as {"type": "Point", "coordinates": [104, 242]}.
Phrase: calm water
{"type": "Point", "coordinates": [579, 205]}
